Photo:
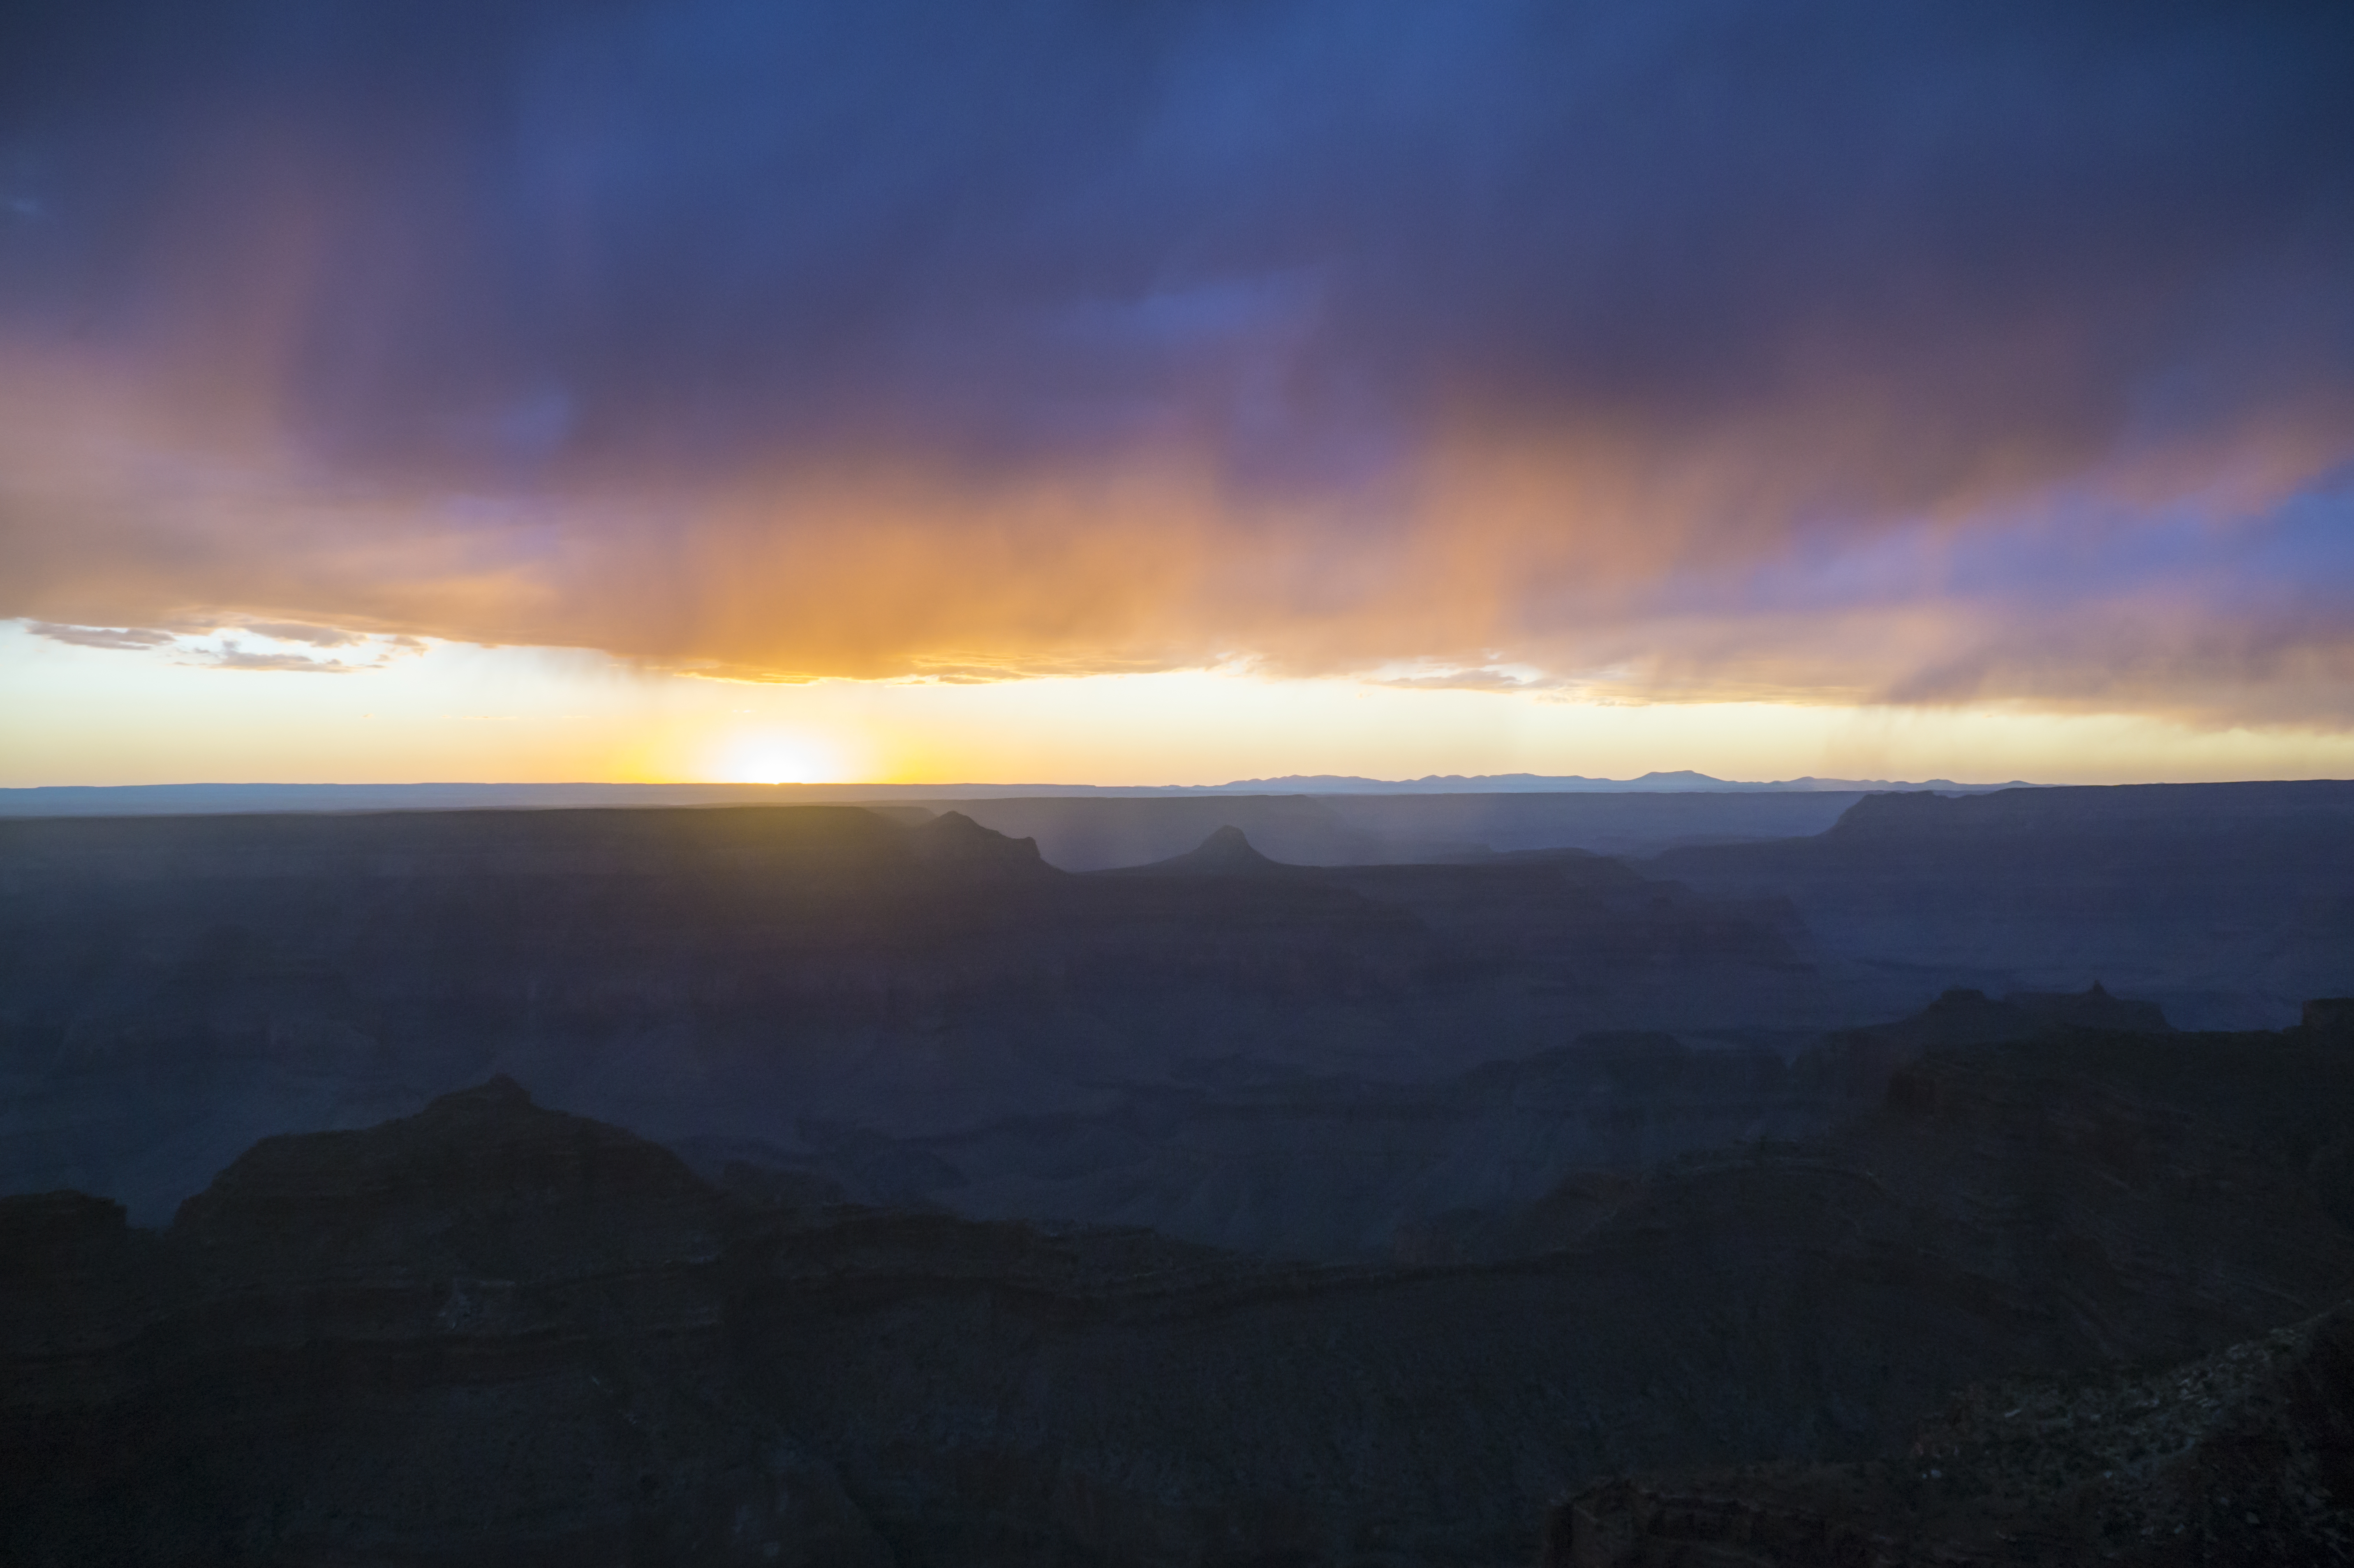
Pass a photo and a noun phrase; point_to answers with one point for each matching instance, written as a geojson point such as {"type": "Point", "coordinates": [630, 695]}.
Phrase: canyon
{"type": "Point", "coordinates": [827, 1185]}
{"type": "Point", "coordinates": [495, 1331]}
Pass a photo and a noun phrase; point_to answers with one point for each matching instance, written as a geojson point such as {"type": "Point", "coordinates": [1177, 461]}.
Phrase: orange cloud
{"type": "Point", "coordinates": [1603, 557]}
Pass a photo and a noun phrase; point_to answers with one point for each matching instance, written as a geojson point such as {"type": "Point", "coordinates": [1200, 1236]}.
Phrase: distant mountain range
{"type": "Point", "coordinates": [180, 799]}
{"type": "Point", "coordinates": [1573, 783]}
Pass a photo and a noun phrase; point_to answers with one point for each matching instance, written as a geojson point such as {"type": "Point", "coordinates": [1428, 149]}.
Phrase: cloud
{"type": "Point", "coordinates": [1825, 350]}
{"type": "Point", "coordinates": [230, 654]}
{"type": "Point", "coordinates": [233, 657]}
{"type": "Point", "coordinates": [1473, 679]}
{"type": "Point", "coordinates": [297, 631]}
{"type": "Point", "coordinates": [100, 635]}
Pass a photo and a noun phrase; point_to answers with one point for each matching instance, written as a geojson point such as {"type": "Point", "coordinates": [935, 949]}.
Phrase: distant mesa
{"type": "Point", "coordinates": [1895, 813]}
{"type": "Point", "coordinates": [1963, 1016]}
{"type": "Point", "coordinates": [2028, 1012]}
{"type": "Point", "coordinates": [2331, 1015]}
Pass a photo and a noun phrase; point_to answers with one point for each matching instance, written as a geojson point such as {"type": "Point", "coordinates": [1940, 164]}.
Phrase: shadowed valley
{"type": "Point", "coordinates": [1212, 1210]}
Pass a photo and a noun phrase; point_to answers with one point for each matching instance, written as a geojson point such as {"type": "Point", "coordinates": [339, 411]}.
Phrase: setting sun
{"type": "Point", "coordinates": [1314, 781]}
{"type": "Point", "coordinates": [774, 756]}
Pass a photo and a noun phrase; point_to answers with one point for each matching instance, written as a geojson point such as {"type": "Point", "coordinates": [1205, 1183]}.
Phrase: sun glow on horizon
{"type": "Point", "coordinates": [766, 755]}
{"type": "Point", "coordinates": [87, 715]}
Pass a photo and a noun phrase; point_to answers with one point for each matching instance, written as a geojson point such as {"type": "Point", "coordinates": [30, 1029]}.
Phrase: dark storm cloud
{"type": "Point", "coordinates": [1862, 262]}
{"type": "Point", "coordinates": [543, 227]}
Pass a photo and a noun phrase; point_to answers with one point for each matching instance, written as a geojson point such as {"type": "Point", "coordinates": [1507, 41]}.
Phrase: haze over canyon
{"type": "Point", "coordinates": [1176, 784]}
{"type": "Point", "coordinates": [1208, 1208]}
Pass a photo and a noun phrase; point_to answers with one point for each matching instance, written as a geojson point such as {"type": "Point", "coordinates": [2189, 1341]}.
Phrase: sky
{"type": "Point", "coordinates": [1161, 393]}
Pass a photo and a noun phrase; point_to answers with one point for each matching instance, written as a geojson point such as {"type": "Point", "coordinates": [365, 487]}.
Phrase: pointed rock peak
{"type": "Point", "coordinates": [499, 1093]}
{"type": "Point", "coordinates": [953, 837]}
{"type": "Point", "coordinates": [2096, 1007]}
{"type": "Point", "coordinates": [1230, 844]}
{"type": "Point", "coordinates": [1225, 853]}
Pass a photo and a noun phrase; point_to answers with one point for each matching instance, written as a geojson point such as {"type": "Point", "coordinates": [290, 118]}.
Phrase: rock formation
{"type": "Point", "coordinates": [494, 1332]}
{"type": "Point", "coordinates": [2225, 902]}
{"type": "Point", "coordinates": [2243, 1457]}
{"type": "Point", "coordinates": [173, 988]}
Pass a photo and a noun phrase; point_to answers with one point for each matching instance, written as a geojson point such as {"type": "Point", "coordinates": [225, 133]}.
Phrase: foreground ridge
{"type": "Point", "coordinates": [2246, 1456]}
{"type": "Point", "coordinates": [495, 1331]}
